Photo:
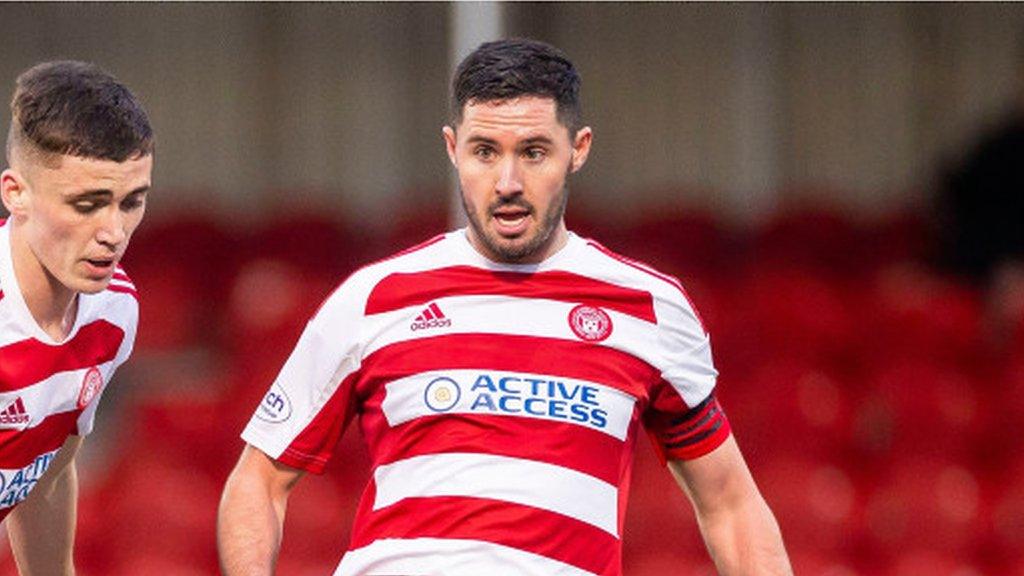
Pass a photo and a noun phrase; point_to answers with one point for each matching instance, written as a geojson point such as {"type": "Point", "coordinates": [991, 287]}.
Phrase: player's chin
{"type": "Point", "coordinates": [91, 285]}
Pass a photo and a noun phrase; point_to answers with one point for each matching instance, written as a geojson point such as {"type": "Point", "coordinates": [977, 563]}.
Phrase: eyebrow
{"type": "Point", "coordinates": [104, 192]}
{"type": "Point", "coordinates": [479, 139]}
{"type": "Point", "coordinates": [537, 140]}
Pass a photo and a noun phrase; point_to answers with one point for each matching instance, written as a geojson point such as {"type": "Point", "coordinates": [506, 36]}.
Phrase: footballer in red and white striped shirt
{"type": "Point", "coordinates": [79, 165]}
{"type": "Point", "coordinates": [501, 375]}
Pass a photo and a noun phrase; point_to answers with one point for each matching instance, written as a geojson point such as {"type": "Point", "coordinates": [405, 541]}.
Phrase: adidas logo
{"type": "Point", "coordinates": [14, 414]}
{"type": "Point", "coordinates": [431, 317]}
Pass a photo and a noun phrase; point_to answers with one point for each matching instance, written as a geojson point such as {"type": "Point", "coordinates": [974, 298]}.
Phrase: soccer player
{"type": "Point", "coordinates": [79, 155]}
{"type": "Point", "coordinates": [501, 375]}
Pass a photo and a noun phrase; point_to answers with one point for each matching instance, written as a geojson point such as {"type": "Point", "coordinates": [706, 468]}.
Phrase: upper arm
{"type": "Point", "coordinates": [254, 466]}
{"type": "Point", "coordinates": [682, 414]}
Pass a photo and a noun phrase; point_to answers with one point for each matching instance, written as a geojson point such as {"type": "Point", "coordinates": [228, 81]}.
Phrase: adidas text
{"type": "Point", "coordinates": [436, 323]}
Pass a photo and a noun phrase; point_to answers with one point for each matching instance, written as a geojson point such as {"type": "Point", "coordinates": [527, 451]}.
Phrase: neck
{"type": "Point", "coordinates": [52, 305]}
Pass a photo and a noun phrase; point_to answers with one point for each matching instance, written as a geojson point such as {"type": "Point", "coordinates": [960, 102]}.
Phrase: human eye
{"type": "Point", "coordinates": [84, 206]}
{"type": "Point", "coordinates": [535, 153]}
{"type": "Point", "coordinates": [133, 202]}
{"type": "Point", "coordinates": [484, 152]}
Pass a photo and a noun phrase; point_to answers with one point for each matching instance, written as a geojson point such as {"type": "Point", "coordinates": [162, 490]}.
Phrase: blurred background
{"type": "Point", "coordinates": [838, 186]}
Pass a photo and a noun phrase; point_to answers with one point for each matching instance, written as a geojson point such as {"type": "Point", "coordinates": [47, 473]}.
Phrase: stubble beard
{"type": "Point", "coordinates": [514, 252]}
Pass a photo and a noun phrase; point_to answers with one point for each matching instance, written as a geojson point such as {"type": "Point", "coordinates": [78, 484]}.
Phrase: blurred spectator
{"type": "Point", "coordinates": [981, 218]}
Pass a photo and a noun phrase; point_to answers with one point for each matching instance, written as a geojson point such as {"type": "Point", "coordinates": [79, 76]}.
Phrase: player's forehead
{"type": "Point", "coordinates": [71, 173]}
{"type": "Point", "coordinates": [521, 118]}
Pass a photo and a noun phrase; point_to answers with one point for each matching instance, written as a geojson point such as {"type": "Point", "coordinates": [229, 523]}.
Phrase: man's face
{"type": "Point", "coordinates": [513, 158]}
{"type": "Point", "coordinates": [77, 214]}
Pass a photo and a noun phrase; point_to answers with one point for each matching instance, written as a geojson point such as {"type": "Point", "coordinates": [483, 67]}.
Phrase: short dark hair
{"type": "Point", "coordinates": [506, 69]}
{"type": "Point", "coordinates": [77, 109]}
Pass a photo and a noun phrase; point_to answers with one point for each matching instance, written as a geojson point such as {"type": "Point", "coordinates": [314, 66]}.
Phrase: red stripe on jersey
{"type": "Point", "coordinates": [514, 525]}
{"type": "Point", "coordinates": [594, 453]}
{"type": "Point", "coordinates": [26, 362]}
{"type": "Point", "coordinates": [123, 290]}
{"type": "Point", "coordinates": [1, 294]}
{"type": "Point", "coordinates": [674, 282]}
{"type": "Point", "coordinates": [120, 274]}
{"type": "Point", "coordinates": [400, 290]}
{"type": "Point", "coordinates": [436, 310]}
{"type": "Point", "coordinates": [18, 448]}
{"type": "Point", "coordinates": [512, 353]}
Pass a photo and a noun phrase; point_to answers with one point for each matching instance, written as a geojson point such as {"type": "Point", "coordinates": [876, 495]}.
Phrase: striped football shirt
{"type": "Point", "coordinates": [501, 405]}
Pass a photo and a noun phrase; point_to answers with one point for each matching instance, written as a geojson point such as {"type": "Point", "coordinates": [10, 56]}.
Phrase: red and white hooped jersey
{"type": "Point", "coordinates": [49, 390]}
{"type": "Point", "coordinates": [500, 404]}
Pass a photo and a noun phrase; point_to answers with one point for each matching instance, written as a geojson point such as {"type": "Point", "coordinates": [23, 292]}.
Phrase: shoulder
{"type": "Point", "coordinates": [668, 294]}
{"type": "Point", "coordinates": [352, 294]}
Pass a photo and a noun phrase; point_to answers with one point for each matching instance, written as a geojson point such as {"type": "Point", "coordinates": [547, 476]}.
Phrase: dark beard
{"type": "Point", "coordinates": [517, 253]}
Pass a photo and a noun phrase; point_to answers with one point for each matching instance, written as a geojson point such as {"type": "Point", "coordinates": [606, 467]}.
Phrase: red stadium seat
{"type": "Point", "coordinates": [788, 403]}
{"type": "Point", "coordinates": [914, 407]}
{"type": "Point", "coordinates": [816, 503]}
{"type": "Point", "coordinates": [932, 563]}
{"type": "Point", "coordinates": [820, 239]}
{"type": "Point", "coordinates": [916, 314]}
{"type": "Point", "coordinates": [315, 242]}
{"type": "Point", "coordinates": [926, 504]}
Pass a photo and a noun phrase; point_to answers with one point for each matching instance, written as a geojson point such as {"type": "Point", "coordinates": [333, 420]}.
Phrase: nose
{"type": "Point", "coordinates": [112, 231]}
{"type": "Point", "coordinates": [509, 179]}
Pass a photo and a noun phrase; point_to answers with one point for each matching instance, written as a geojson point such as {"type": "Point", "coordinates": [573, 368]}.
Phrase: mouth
{"type": "Point", "coordinates": [100, 267]}
{"type": "Point", "coordinates": [511, 221]}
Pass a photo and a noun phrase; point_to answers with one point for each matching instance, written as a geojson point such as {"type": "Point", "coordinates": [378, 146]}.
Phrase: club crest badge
{"type": "Point", "coordinates": [92, 383]}
{"type": "Point", "coordinates": [590, 323]}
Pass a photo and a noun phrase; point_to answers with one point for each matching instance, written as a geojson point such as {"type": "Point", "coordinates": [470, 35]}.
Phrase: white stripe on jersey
{"type": "Point", "coordinates": [53, 395]}
{"type": "Point", "coordinates": [449, 557]}
{"type": "Point", "coordinates": [537, 484]}
{"type": "Point", "coordinates": [545, 397]}
{"type": "Point", "coordinates": [121, 283]}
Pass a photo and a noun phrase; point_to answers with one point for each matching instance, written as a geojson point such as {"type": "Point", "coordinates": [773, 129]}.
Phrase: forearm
{"type": "Point", "coordinates": [42, 528]}
{"type": "Point", "coordinates": [745, 541]}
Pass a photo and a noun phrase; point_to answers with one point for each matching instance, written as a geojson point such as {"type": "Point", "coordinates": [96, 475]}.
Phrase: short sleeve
{"type": "Point", "coordinates": [683, 416]}
{"type": "Point", "coordinates": [311, 402]}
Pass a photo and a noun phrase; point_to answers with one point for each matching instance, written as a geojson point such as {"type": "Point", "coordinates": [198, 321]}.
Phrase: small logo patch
{"type": "Point", "coordinates": [590, 323]}
{"type": "Point", "coordinates": [14, 415]}
{"type": "Point", "coordinates": [275, 407]}
{"type": "Point", "coordinates": [92, 383]}
{"type": "Point", "coordinates": [442, 394]}
{"type": "Point", "coordinates": [431, 317]}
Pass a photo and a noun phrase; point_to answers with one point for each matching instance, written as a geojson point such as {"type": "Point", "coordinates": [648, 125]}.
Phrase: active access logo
{"type": "Point", "coordinates": [16, 484]}
{"type": "Point", "coordinates": [431, 317]}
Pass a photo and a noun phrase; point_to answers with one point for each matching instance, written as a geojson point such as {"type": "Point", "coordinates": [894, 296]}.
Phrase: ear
{"type": "Point", "coordinates": [581, 147]}
{"type": "Point", "coordinates": [14, 192]}
{"type": "Point", "coordinates": [449, 143]}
